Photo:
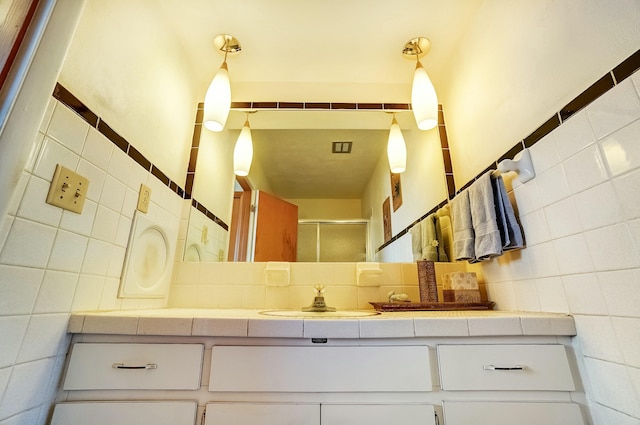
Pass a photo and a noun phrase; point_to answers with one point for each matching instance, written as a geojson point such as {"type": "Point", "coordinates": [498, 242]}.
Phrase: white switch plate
{"type": "Point", "coordinates": [144, 198]}
{"type": "Point", "coordinates": [68, 190]}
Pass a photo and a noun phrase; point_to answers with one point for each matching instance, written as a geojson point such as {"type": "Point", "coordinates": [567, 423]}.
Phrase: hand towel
{"type": "Point", "coordinates": [510, 231]}
{"type": "Point", "coordinates": [443, 223]}
{"type": "Point", "coordinates": [488, 242]}
{"type": "Point", "coordinates": [463, 237]}
{"type": "Point", "coordinates": [429, 239]}
{"type": "Point", "coordinates": [416, 241]}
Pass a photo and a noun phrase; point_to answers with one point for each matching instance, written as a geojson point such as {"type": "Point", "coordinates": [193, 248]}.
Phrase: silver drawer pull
{"type": "Point", "coordinates": [492, 367]}
{"type": "Point", "coordinates": [148, 366]}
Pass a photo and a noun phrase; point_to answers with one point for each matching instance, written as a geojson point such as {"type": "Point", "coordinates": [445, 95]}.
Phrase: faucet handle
{"type": "Point", "coordinates": [319, 289]}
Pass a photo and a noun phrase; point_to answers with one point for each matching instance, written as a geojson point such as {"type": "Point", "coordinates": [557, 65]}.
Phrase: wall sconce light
{"type": "Point", "coordinates": [243, 152]}
{"type": "Point", "coordinates": [396, 148]}
{"type": "Point", "coordinates": [424, 100]}
{"type": "Point", "coordinates": [217, 101]}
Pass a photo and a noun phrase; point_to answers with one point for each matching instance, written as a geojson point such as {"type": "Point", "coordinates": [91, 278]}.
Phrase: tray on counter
{"type": "Point", "coordinates": [402, 306]}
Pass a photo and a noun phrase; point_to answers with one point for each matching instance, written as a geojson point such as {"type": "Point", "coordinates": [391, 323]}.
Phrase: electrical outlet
{"type": "Point", "coordinates": [205, 234]}
{"type": "Point", "coordinates": [68, 190]}
{"type": "Point", "coordinates": [144, 198]}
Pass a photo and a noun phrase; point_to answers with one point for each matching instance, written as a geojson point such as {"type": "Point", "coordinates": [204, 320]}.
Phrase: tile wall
{"type": "Point", "coordinates": [581, 219]}
{"type": "Point", "coordinates": [53, 262]}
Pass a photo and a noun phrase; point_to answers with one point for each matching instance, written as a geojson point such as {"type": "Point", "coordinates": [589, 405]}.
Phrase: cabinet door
{"type": "Point", "coordinates": [377, 414]}
{"type": "Point", "coordinates": [129, 412]}
{"type": "Point", "coordinates": [508, 413]}
{"type": "Point", "coordinates": [262, 413]}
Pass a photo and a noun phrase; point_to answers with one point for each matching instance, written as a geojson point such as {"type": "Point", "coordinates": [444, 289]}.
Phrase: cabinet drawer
{"type": "Point", "coordinates": [129, 412]}
{"type": "Point", "coordinates": [504, 367]}
{"type": "Point", "coordinates": [134, 366]}
{"type": "Point", "coordinates": [377, 414]}
{"type": "Point", "coordinates": [320, 369]}
{"type": "Point", "coordinates": [262, 413]}
{"type": "Point", "coordinates": [498, 413]}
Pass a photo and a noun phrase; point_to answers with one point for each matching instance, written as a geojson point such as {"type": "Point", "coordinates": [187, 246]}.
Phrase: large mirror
{"type": "Point", "coordinates": [294, 160]}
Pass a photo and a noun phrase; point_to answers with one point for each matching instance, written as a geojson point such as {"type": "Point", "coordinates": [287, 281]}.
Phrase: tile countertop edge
{"type": "Point", "coordinates": [243, 324]}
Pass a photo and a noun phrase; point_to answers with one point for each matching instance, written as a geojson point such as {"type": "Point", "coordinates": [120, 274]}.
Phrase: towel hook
{"type": "Point", "coordinates": [521, 164]}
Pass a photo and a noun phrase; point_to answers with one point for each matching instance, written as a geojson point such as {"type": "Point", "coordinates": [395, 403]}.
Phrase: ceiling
{"type": "Point", "coordinates": [294, 50]}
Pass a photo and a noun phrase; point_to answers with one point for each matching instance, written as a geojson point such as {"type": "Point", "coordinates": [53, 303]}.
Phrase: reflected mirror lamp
{"type": "Point", "coordinates": [243, 151]}
{"type": "Point", "coordinates": [396, 148]}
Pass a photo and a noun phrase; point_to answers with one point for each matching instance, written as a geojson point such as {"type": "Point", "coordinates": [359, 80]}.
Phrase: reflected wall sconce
{"type": "Point", "coordinates": [217, 101]}
{"type": "Point", "coordinates": [424, 100]}
{"type": "Point", "coordinates": [396, 148]}
{"type": "Point", "coordinates": [243, 151]}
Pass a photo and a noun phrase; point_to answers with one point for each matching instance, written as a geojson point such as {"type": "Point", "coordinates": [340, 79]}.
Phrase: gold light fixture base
{"type": "Point", "coordinates": [227, 44]}
{"type": "Point", "coordinates": [418, 46]}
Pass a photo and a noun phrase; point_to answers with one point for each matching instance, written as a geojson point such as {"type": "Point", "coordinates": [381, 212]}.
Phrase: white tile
{"type": "Point", "coordinates": [386, 328]}
{"type": "Point", "coordinates": [534, 227]}
{"type": "Point", "coordinates": [552, 186]}
{"type": "Point", "coordinates": [36, 146]}
{"type": "Point", "coordinates": [482, 326]}
{"type": "Point", "coordinates": [585, 169]}
{"type": "Point", "coordinates": [612, 248]}
{"type": "Point", "coordinates": [186, 273]}
{"type": "Point", "coordinates": [130, 203]}
{"type": "Point", "coordinates": [88, 293]}
{"type": "Point", "coordinates": [18, 289]}
{"type": "Point", "coordinates": [323, 328]}
{"type": "Point", "coordinates": [598, 206]}
{"type": "Point", "coordinates": [621, 149]}
{"type": "Point", "coordinates": [105, 225]}
{"type": "Point", "coordinates": [183, 296]}
{"type": "Point", "coordinates": [573, 135]}
{"type": "Point", "coordinates": [27, 387]}
{"type": "Point", "coordinates": [548, 326]}
{"type": "Point", "coordinates": [239, 273]}
{"type": "Point", "coordinates": [603, 415]}
{"type": "Point", "coordinates": [573, 254]}
{"type": "Point", "coordinates": [68, 252]}
{"type": "Point", "coordinates": [116, 261]}
{"type": "Point", "coordinates": [138, 176]}
{"type": "Point", "coordinates": [43, 337]}
{"type": "Point", "coordinates": [614, 109]}
{"type": "Point", "coordinates": [122, 325]}
{"type": "Point", "coordinates": [120, 166]}
{"type": "Point", "coordinates": [68, 128]}
{"type": "Point", "coordinates": [97, 149]}
{"type": "Point", "coordinates": [28, 244]}
{"type": "Point", "coordinates": [612, 386]}
{"type": "Point", "coordinates": [80, 223]}
{"type": "Point", "coordinates": [34, 207]}
{"type": "Point", "coordinates": [634, 374]}
{"type": "Point", "coordinates": [634, 228]}
{"type": "Point", "coordinates": [627, 330]}
{"type": "Point", "coordinates": [345, 273]}
{"type": "Point", "coordinates": [276, 328]}
{"type": "Point", "coordinates": [113, 193]}
{"type": "Point", "coordinates": [5, 374]}
{"type": "Point", "coordinates": [543, 154]}
{"type": "Point", "coordinates": [48, 112]}
{"type": "Point", "coordinates": [12, 329]}
{"type": "Point", "coordinates": [254, 296]}
{"type": "Point", "coordinates": [626, 190]}
{"type": "Point", "coordinates": [527, 197]}
{"type": "Point", "coordinates": [109, 299]}
{"type": "Point", "coordinates": [584, 294]}
{"type": "Point", "coordinates": [56, 292]}
{"type": "Point", "coordinates": [597, 338]}
{"type": "Point", "coordinates": [502, 295]}
{"type": "Point", "coordinates": [551, 295]}
{"type": "Point", "coordinates": [621, 291]}
{"type": "Point", "coordinates": [518, 263]}
{"type": "Point", "coordinates": [543, 260]}
{"type": "Point", "coordinates": [5, 227]}
{"type": "Point", "coordinates": [96, 259]}
{"type": "Point", "coordinates": [312, 274]}
{"type": "Point", "coordinates": [442, 326]}
{"type": "Point", "coordinates": [562, 218]}
{"type": "Point", "coordinates": [51, 154]}
{"type": "Point", "coordinates": [96, 178]}
{"type": "Point", "coordinates": [124, 229]}
{"type": "Point", "coordinates": [18, 193]}
{"type": "Point", "coordinates": [213, 326]}
{"type": "Point", "coordinates": [526, 294]}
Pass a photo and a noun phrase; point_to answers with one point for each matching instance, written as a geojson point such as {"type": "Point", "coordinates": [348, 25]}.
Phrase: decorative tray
{"type": "Point", "coordinates": [403, 306]}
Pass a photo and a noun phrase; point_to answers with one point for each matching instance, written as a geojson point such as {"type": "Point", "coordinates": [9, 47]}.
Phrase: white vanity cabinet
{"type": "Point", "coordinates": [125, 412]}
{"type": "Point", "coordinates": [318, 414]}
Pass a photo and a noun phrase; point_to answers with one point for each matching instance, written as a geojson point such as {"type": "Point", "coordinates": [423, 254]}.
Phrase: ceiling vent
{"type": "Point", "coordinates": [342, 147]}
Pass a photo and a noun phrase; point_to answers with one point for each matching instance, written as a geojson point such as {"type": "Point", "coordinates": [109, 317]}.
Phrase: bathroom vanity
{"type": "Point", "coordinates": [241, 367]}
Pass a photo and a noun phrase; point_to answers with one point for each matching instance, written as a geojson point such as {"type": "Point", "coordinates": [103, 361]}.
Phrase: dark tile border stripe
{"type": "Point", "coordinates": [597, 89]}
{"type": "Point", "coordinates": [323, 106]}
{"type": "Point", "coordinates": [70, 101]}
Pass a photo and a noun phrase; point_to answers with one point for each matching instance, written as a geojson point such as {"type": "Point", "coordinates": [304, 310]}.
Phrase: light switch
{"type": "Point", "coordinates": [144, 198]}
{"type": "Point", "coordinates": [68, 190]}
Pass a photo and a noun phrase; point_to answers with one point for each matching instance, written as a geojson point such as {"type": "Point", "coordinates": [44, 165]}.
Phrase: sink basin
{"type": "Point", "coordinates": [319, 315]}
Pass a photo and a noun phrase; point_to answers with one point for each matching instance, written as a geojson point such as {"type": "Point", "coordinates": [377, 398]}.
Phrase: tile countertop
{"type": "Point", "coordinates": [250, 323]}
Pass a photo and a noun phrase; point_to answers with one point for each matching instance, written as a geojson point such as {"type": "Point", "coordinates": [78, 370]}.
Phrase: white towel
{"type": "Point", "coordinates": [429, 239]}
{"type": "Point", "coordinates": [416, 241]}
{"type": "Point", "coordinates": [488, 242]}
{"type": "Point", "coordinates": [463, 237]}
{"type": "Point", "coordinates": [510, 231]}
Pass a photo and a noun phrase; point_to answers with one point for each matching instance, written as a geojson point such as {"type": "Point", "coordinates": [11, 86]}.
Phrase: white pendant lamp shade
{"type": "Point", "coordinates": [396, 149]}
{"type": "Point", "coordinates": [217, 102]}
{"type": "Point", "coordinates": [424, 101]}
{"type": "Point", "coordinates": [243, 152]}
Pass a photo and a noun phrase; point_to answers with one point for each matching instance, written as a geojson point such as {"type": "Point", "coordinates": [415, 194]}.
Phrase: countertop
{"type": "Point", "coordinates": [251, 323]}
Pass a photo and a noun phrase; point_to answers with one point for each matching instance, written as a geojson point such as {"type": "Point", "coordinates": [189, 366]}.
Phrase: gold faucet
{"type": "Point", "coordinates": [318, 301]}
